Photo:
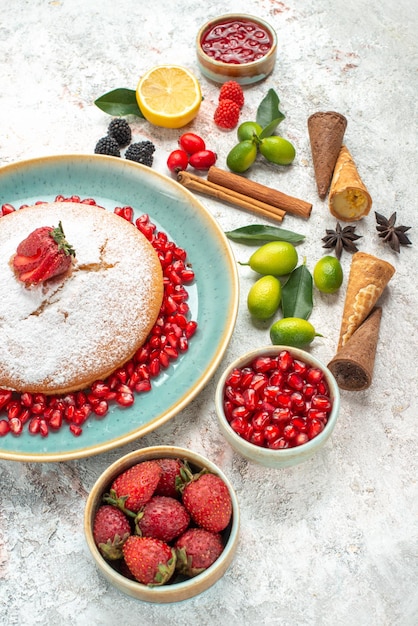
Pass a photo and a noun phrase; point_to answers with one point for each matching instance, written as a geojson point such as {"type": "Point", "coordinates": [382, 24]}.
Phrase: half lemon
{"type": "Point", "coordinates": [169, 96]}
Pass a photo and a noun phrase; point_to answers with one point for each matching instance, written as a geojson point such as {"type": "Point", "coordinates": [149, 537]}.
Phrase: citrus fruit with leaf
{"type": "Point", "coordinates": [277, 150]}
{"type": "Point", "coordinates": [264, 297]}
{"type": "Point", "coordinates": [275, 257]}
{"type": "Point", "coordinates": [169, 96]}
{"type": "Point", "coordinates": [328, 274]}
{"type": "Point", "coordinates": [292, 331]}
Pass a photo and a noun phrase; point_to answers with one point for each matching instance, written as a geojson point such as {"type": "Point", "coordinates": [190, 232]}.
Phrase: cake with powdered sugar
{"type": "Point", "coordinates": [61, 334]}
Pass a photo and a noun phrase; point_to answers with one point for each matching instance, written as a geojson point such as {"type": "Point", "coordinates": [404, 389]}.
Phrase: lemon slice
{"type": "Point", "coordinates": [169, 96]}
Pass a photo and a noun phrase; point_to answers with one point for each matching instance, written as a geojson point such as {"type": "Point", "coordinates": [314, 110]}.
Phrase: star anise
{"type": "Point", "coordinates": [341, 239]}
{"type": "Point", "coordinates": [391, 234]}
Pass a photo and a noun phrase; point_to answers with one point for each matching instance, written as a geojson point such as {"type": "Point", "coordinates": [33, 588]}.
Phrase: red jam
{"type": "Point", "coordinates": [236, 41]}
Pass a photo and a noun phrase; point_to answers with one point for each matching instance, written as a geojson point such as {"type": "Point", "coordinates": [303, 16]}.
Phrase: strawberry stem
{"type": "Point", "coordinates": [58, 236]}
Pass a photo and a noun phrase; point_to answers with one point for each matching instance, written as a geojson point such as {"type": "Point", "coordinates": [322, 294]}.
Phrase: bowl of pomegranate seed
{"type": "Point", "coordinates": [237, 47]}
{"type": "Point", "coordinates": [162, 524]}
{"type": "Point", "coordinates": [277, 405]}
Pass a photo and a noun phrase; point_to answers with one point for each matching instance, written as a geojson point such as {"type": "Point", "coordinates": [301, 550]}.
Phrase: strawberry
{"type": "Point", "coordinates": [111, 529]}
{"type": "Point", "coordinates": [43, 254]}
{"type": "Point", "coordinates": [196, 550]}
{"type": "Point", "coordinates": [227, 114]}
{"type": "Point", "coordinates": [208, 501]}
{"type": "Point", "coordinates": [163, 518]}
{"type": "Point", "coordinates": [171, 471]}
{"type": "Point", "coordinates": [134, 487]}
{"type": "Point", "coordinates": [231, 90]}
{"type": "Point", "coordinates": [151, 561]}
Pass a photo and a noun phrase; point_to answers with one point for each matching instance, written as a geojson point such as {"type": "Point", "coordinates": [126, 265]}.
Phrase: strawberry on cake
{"type": "Point", "coordinates": [80, 290]}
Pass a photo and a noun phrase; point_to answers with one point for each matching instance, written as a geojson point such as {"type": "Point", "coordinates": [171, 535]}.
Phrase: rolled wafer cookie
{"type": "Point", "coordinates": [348, 199]}
{"type": "Point", "coordinates": [368, 277]}
{"type": "Point", "coordinates": [353, 365]}
{"type": "Point", "coordinates": [326, 131]}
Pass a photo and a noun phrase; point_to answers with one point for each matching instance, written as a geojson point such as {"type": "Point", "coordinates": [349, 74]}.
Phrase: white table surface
{"type": "Point", "coordinates": [330, 542]}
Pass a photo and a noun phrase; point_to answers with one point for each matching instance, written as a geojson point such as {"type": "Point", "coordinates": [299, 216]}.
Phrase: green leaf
{"type": "Point", "coordinates": [269, 115]}
{"type": "Point", "coordinates": [297, 298]}
{"type": "Point", "coordinates": [258, 233]}
{"type": "Point", "coordinates": [119, 102]}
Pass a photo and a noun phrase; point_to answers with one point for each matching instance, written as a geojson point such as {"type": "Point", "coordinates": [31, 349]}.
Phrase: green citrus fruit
{"type": "Point", "coordinates": [275, 257]}
{"type": "Point", "coordinates": [328, 274]}
{"type": "Point", "coordinates": [292, 331]}
{"type": "Point", "coordinates": [264, 297]}
{"type": "Point", "coordinates": [242, 156]}
{"type": "Point", "coordinates": [247, 130]}
{"type": "Point", "coordinates": [277, 150]}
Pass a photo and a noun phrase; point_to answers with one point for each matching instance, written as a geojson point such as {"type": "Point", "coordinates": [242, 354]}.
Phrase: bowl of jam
{"type": "Point", "coordinates": [236, 47]}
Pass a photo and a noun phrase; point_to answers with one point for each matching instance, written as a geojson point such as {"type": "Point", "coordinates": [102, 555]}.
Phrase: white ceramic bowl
{"type": "Point", "coordinates": [283, 457]}
{"type": "Point", "coordinates": [243, 73]}
{"type": "Point", "coordinates": [171, 592]}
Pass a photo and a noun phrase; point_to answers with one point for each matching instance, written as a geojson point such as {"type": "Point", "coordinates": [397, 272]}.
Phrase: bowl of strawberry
{"type": "Point", "coordinates": [277, 405]}
{"type": "Point", "coordinates": [162, 524]}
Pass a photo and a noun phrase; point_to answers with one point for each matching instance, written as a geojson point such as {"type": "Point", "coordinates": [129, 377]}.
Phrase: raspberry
{"type": "Point", "coordinates": [227, 114]}
{"type": "Point", "coordinates": [231, 90]}
{"type": "Point", "coordinates": [107, 145]}
{"type": "Point", "coordinates": [120, 130]}
{"type": "Point", "coordinates": [141, 152]}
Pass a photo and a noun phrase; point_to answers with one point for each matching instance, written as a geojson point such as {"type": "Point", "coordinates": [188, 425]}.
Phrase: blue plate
{"type": "Point", "coordinates": [213, 297]}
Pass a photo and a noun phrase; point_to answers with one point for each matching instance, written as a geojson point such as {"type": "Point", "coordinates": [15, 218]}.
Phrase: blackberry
{"type": "Point", "coordinates": [107, 145]}
{"type": "Point", "coordinates": [120, 130]}
{"type": "Point", "coordinates": [141, 152]}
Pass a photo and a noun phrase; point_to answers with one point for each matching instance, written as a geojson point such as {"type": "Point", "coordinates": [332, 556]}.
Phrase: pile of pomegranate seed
{"type": "Point", "coordinates": [41, 413]}
{"type": "Point", "coordinates": [277, 402]}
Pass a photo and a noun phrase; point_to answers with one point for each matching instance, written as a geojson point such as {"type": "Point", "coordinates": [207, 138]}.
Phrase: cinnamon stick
{"type": "Point", "coordinates": [260, 192]}
{"type": "Point", "coordinates": [201, 185]}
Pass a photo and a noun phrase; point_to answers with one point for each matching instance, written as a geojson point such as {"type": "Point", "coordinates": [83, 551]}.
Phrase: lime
{"type": "Point", "coordinates": [292, 331]}
{"type": "Point", "coordinates": [248, 130]}
{"type": "Point", "coordinates": [264, 297]}
{"type": "Point", "coordinates": [277, 150]}
{"type": "Point", "coordinates": [242, 156]}
{"type": "Point", "coordinates": [328, 274]}
{"type": "Point", "coordinates": [275, 257]}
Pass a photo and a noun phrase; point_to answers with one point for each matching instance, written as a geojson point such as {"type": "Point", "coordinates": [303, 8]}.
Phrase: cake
{"type": "Point", "coordinates": [61, 335]}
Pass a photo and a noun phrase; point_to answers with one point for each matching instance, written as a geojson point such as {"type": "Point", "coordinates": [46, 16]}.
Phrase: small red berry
{"type": "Point", "coordinates": [203, 159]}
{"type": "Point", "coordinates": [177, 161]}
{"type": "Point", "coordinates": [227, 114]}
{"type": "Point", "coordinates": [232, 90]}
{"type": "Point", "coordinates": [191, 143]}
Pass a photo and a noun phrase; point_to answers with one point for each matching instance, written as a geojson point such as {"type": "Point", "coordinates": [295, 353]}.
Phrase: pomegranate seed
{"type": "Point", "coordinates": [43, 428]}
{"type": "Point", "coordinates": [26, 399]}
{"type": "Point", "coordinates": [4, 427]}
{"type": "Point", "coordinates": [315, 427]}
{"type": "Point", "coordinates": [278, 444]}
{"type": "Point", "coordinates": [300, 439]}
{"type": "Point", "coordinates": [55, 421]}
{"type": "Point", "coordinates": [257, 438]}
{"type": "Point", "coordinates": [5, 397]}
{"type": "Point", "coordinates": [321, 402]}
{"type": "Point", "coordinates": [314, 375]}
{"type": "Point", "coordinates": [101, 408]}
{"type": "Point", "coordinates": [250, 399]}
{"type": "Point", "coordinates": [76, 430]}
{"type": "Point", "coordinates": [6, 209]}
{"type": "Point", "coordinates": [125, 397]}
{"type": "Point", "coordinates": [143, 386]}
{"type": "Point", "coordinates": [285, 361]}
{"type": "Point", "coordinates": [34, 425]}
{"type": "Point", "coordinates": [271, 432]}
{"type": "Point", "coordinates": [260, 420]}
{"type": "Point", "coordinates": [13, 410]}
{"type": "Point", "coordinates": [15, 426]}
{"type": "Point", "coordinates": [295, 381]}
